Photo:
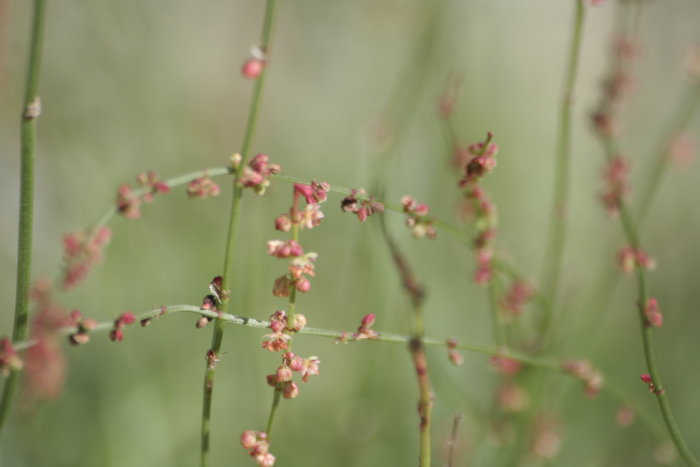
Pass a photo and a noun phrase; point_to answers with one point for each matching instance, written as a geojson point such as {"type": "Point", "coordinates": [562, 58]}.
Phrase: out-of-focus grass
{"type": "Point", "coordinates": [132, 86]}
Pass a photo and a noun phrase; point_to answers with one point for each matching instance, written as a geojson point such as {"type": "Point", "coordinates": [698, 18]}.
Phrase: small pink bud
{"type": "Point", "coordinates": [127, 318]}
{"type": "Point", "coordinates": [79, 338]}
{"type": "Point", "coordinates": [291, 390]}
{"type": "Point", "coordinates": [368, 320]}
{"type": "Point", "coordinates": [271, 380]}
{"type": "Point", "coordinates": [303, 285]}
{"type": "Point", "coordinates": [296, 363]}
{"type": "Point", "coordinates": [116, 335]}
{"type": "Point", "coordinates": [252, 68]}
{"type": "Point", "coordinates": [299, 322]}
{"type": "Point", "coordinates": [283, 374]}
{"type": "Point", "coordinates": [248, 439]}
{"type": "Point", "coordinates": [646, 377]}
{"type": "Point", "coordinates": [283, 223]}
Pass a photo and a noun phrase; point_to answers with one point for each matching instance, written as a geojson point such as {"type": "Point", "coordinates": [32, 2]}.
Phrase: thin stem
{"type": "Point", "coordinates": [498, 331]}
{"type": "Point", "coordinates": [629, 228]}
{"type": "Point", "coordinates": [273, 410]}
{"type": "Point", "coordinates": [30, 111]}
{"type": "Point", "coordinates": [557, 229]}
{"type": "Point", "coordinates": [217, 338]}
{"type": "Point", "coordinates": [416, 345]}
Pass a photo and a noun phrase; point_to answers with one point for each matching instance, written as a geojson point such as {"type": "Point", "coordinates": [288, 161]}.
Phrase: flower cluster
{"type": "Point", "coordinates": [314, 193]}
{"type": "Point", "coordinates": [652, 314]}
{"type": "Point", "coordinates": [629, 258]}
{"type": "Point", "coordinates": [363, 208]}
{"type": "Point", "coordinates": [202, 187]}
{"type": "Point", "coordinates": [280, 326]}
{"type": "Point", "coordinates": [84, 325]}
{"type": "Point", "coordinates": [291, 363]}
{"type": "Point", "coordinates": [364, 332]}
{"type": "Point", "coordinates": [256, 174]}
{"type": "Point", "coordinates": [301, 266]}
{"type": "Point", "coordinates": [616, 187]}
{"type": "Point", "coordinates": [117, 334]}
{"type": "Point", "coordinates": [584, 371]}
{"type": "Point", "coordinates": [417, 219]}
{"type": "Point", "coordinates": [516, 298]}
{"type": "Point", "coordinates": [482, 161]}
{"type": "Point", "coordinates": [258, 446]}
{"type": "Point", "coordinates": [477, 206]}
{"type": "Point", "coordinates": [82, 250]}
{"type": "Point", "coordinates": [129, 201]}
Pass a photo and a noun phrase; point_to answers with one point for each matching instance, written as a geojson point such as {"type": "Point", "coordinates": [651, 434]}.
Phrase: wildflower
{"type": "Point", "coordinates": [257, 173]}
{"type": "Point", "coordinates": [365, 331]}
{"type": "Point", "coordinates": [252, 68]}
{"type": "Point", "coordinates": [417, 218]}
{"type": "Point", "coordinates": [258, 446]}
{"type": "Point", "coordinates": [363, 208]}
{"type": "Point", "coordinates": [81, 251]}
{"type": "Point", "coordinates": [629, 258]}
{"type": "Point", "coordinates": [516, 297]}
{"type": "Point", "coordinates": [652, 314]}
{"type": "Point", "coordinates": [310, 368]}
{"type": "Point", "coordinates": [202, 187]}
{"type": "Point", "coordinates": [616, 186]}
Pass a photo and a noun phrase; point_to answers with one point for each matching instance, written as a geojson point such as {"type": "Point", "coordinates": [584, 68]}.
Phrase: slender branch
{"type": "Point", "coordinates": [632, 236]}
{"type": "Point", "coordinates": [30, 112]}
{"type": "Point", "coordinates": [557, 228]}
{"type": "Point", "coordinates": [217, 338]}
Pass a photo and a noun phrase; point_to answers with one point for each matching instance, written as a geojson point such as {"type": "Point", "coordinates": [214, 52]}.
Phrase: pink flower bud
{"type": "Point", "coordinates": [303, 285]}
{"type": "Point", "coordinates": [283, 374]}
{"type": "Point", "coordinates": [646, 377]}
{"type": "Point", "coordinates": [252, 68]}
{"type": "Point", "coordinates": [368, 320]}
{"type": "Point", "coordinates": [299, 322]}
{"type": "Point", "coordinates": [291, 390]}
{"type": "Point", "coordinates": [296, 363]}
{"type": "Point", "coordinates": [249, 438]}
{"type": "Point", "coordinates": [283, 223]}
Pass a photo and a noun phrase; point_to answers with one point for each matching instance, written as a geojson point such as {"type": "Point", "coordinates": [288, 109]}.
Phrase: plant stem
{"type": "Point", "coordinates": [629, 229]}
{"type": "Point", "coordinates": [30, 111]}
{"type": "Point", "coordinates": [557, 228]}
{"type": "Point", "coordinates": [217, 338]}
{"type": "Point", "coordinates": [416, 345]}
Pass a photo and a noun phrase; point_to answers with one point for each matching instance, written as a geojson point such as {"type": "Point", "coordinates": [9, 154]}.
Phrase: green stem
{"type": "Point", "coordinates": [273, 412]}
{"type": "Point", "coordinates": [630, 231]}
{"type": "Point", "coordinates": [217, 338]}
{"type": "Point", "coordinates": [557, 229]}
{"type": "Point", "coordinates": [30, 111]}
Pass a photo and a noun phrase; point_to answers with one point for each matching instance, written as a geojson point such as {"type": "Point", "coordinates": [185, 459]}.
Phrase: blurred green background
{"type": "Point", "coordinates": [134, 86]}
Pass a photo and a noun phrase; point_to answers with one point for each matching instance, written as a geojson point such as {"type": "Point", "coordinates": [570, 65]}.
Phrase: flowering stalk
{"type": "Point", "coordinates": [416, 345]}
{"type": "Point", "coordinates": [632, 236]}
{"type": "Point", "coordinates": [557, 230]}
{"type": "Point", "coordinates": [30, 112]}
{"type": "Point", "coordinates": [255, 104]}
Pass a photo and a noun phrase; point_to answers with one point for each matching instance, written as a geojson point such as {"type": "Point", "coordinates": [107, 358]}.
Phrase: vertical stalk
{"type": "Point", "coordinates": [557, 227]}
{"type": "Point", "coordinates": [30, 111]}
{"type": "Point", "coordinates": [217, 338]}
{"type": "Point", "coordinates": [416, 346]}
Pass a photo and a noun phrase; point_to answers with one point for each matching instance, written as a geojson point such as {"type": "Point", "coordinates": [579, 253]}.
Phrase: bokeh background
{"type": "Point", "coordinates": [134, 86]}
